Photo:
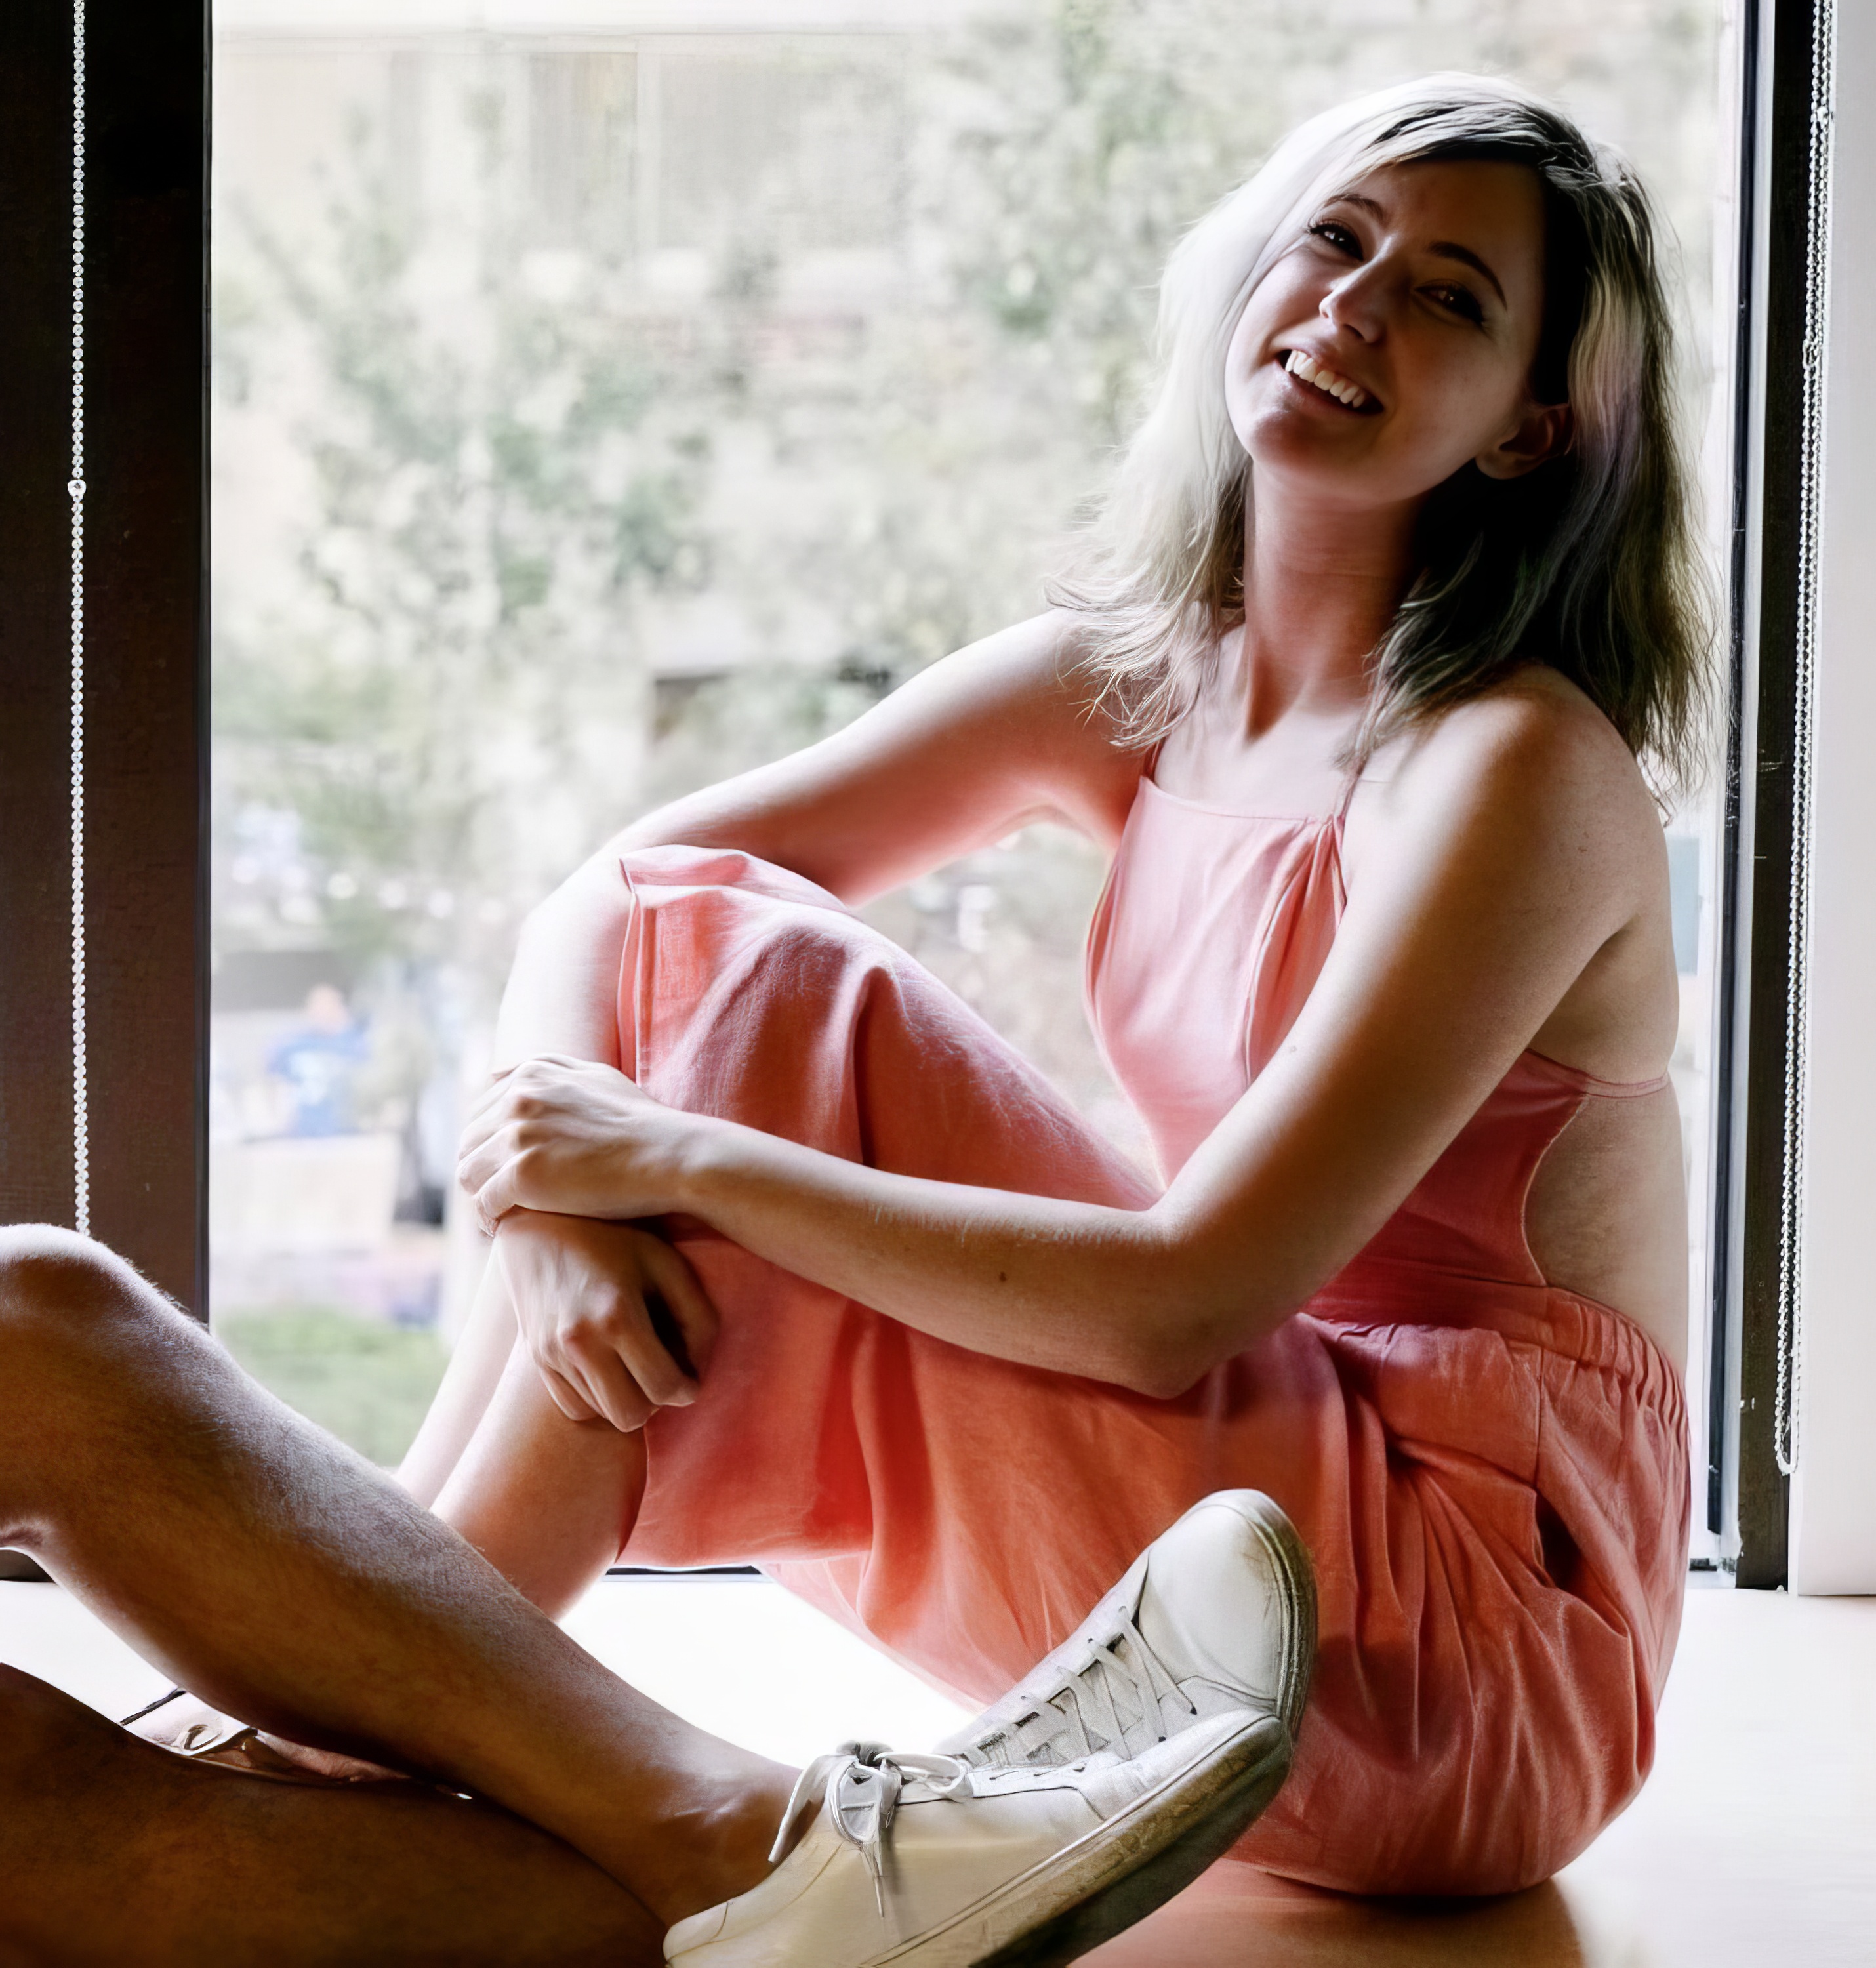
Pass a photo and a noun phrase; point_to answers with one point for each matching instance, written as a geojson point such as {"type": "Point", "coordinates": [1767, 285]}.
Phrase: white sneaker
{"type": "Point", "coordinates": [1219, 1613]}
{"type": "Point", "coordinates": [925, 1862]}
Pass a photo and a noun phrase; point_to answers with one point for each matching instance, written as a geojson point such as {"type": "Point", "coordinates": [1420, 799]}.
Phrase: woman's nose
{"type": "Point", "coordinates": [1357, 303]}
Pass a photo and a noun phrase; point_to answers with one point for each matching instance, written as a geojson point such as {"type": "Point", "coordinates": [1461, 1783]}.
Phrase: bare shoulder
{"type": "Point", "coordinates": [1532, 757]}
{"type": "Point", "coordinates": [1520, 820]}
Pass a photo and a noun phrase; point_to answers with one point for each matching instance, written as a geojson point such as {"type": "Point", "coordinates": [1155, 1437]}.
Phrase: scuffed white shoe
{"type": "Point", "coordinates": [927, 1861]}
{"type": "Point", "coordinates": [1218, 1613]}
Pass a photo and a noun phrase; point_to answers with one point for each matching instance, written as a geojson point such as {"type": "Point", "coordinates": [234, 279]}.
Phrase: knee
{"type": "Point", "coordinates": [56, 1285]}
{"type": "Point", "coordinates": [588, 911]}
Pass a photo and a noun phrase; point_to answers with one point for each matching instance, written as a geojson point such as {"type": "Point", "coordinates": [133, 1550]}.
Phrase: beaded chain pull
{"type": "Point", "coordinates": [75, 490]}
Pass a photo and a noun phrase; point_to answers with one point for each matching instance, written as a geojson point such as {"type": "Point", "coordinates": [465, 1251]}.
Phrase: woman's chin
{"type": "Point", "coordinates": [1302, 466]}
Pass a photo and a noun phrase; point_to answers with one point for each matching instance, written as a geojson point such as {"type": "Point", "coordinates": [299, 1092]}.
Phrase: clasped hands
{"type": "Point", "coordinates": [559, 1154]}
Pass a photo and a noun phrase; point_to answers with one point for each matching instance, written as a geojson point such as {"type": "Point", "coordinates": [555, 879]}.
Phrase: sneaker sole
{"type": "Point", "coordinates": [1104, 1882]}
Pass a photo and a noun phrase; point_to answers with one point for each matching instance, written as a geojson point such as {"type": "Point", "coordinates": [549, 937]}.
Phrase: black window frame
{"type": "Point", "coordinates": [1747, 1496]}
{"type": "Point", "coordinates": [146, 700]}
{"type": "Point", "coordinates": [146, 645]}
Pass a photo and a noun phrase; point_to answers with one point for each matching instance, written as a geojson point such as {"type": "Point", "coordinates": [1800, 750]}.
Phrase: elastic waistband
{"type": "Point", "coordinates": [1376, 1292]}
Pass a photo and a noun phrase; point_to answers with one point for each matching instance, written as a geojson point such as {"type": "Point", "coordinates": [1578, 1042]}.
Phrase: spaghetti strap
{"type": "Point", "coordinates": [1348, 796]}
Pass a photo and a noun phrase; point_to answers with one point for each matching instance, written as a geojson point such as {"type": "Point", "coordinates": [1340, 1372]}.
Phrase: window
{"type": "Point", "coordinates": [583, 119]}
{"type": "Point", "coordinates": [598, 413]}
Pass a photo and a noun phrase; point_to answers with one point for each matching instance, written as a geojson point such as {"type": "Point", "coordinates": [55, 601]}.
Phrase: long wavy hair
{"type": "Point", "coordinates": [1589, 563]}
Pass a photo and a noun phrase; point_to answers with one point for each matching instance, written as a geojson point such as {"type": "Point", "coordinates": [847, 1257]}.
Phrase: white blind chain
{"type": "Point", "coordinates": [75, 489]}
{"type": "Point", "coordinates": [1810, 499]}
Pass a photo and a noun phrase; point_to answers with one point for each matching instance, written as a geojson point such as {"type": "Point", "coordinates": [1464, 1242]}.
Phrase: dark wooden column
{"type": "Point", "coordinates": [35, 867]}
{"type": "Point", "coordinates": [1766, 785]}
{"type": "Point", "coordinates": [145, 637]}
{"type": "Point", "coordinates": [146, 750]}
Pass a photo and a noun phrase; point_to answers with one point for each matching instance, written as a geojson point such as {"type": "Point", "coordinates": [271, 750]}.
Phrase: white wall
{"type": "Point", "coordinates": [1833, 1502]}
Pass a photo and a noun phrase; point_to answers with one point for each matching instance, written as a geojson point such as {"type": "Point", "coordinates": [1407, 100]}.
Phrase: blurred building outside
{"type": "Point", "coordinates": [609, 397]}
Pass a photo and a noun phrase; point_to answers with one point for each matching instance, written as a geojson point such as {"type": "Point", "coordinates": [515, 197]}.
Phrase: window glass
{"type": "Point", "coordinates": [602, 409]}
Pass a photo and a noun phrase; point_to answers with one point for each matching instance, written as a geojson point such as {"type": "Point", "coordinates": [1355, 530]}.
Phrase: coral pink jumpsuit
{"type": "Point", "coordinates": [1490, 1473]}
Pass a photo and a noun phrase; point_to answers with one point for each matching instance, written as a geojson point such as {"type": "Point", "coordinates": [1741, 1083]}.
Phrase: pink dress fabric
{"type": "Point", "coordinates": [1491, 1474]}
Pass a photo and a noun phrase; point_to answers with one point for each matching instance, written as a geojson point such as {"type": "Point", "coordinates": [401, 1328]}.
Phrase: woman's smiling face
{"type": "Point", "coordinates": [1394, 339]}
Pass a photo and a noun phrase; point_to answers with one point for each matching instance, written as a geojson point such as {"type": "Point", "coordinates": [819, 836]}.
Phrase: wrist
{"type": "Point", "coordinates": [703, 1151]}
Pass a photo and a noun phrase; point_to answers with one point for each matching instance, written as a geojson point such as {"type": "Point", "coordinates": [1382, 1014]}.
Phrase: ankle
{"type": "Point", "coordinates": [718, 1847]}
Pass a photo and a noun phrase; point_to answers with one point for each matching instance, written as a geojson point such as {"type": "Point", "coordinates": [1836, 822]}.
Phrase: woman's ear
{"type": "Point", "coordinates": [1545, 432]}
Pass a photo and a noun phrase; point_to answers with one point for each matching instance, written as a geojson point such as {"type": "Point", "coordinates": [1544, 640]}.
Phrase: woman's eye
{"type": "Point", "coordinates": [1460, 300]}
{"type": "Point", "coordinates": [1338, 236]}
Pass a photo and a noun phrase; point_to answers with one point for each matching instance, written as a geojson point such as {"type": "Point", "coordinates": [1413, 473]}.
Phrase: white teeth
{"type": "Point", "coordinates": [1297, 364]}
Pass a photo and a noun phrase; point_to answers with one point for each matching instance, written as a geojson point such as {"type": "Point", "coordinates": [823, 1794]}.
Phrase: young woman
{"type": "Point", "coordinates": [1392, 603]}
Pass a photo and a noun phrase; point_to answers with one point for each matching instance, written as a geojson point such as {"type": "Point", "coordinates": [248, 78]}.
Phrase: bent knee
{"type": "Point", "coordinates": [38, 1257]}
{"type": "Point", "coordinates": [55, 1280]}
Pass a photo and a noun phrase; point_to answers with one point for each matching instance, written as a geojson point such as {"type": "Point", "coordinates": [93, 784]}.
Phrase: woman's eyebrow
{"type": "Point", "coordinates": [1445, 249]}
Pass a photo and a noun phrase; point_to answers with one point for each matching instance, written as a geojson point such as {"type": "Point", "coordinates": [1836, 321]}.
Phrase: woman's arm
{"type": "Point", "coordinates": [967, 751]}
{"type": "Point", "coordinates": [959, 755]}
{"type": "Point", "coordinates": [1513, 856]}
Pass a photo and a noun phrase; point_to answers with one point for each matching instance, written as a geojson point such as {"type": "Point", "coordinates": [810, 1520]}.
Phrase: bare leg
{"type": "Point", "coordinates": [284, 1581]}
{"type": "Point", "coordinates": [121, 1853]}
{"type": "Point", "coordinates": [551, 1502]}
{"type": "Point", "coordinates": [474, 1371]}
{"type": "Point", "coordinates": [548, 1502]}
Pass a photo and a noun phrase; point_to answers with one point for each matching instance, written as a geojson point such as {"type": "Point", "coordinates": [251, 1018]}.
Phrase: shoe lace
{"type": "Point", "coordinates": [861, 1782]}
{"type": "Point", "coordinates": [1087, 1703]}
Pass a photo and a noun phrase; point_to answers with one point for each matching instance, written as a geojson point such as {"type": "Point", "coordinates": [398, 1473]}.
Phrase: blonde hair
{"type": "Point", "coordinates": [1589, 563]}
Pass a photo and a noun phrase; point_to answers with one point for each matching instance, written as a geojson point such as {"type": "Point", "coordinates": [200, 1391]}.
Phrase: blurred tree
{"type": "Point", "coordinates": [458, 683]}
{"type": "Point", "coordinates": [512, 484]}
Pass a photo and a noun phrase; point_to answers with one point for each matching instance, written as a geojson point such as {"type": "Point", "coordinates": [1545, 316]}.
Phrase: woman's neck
{"type": "Point", "coordinates": [1321, 584]}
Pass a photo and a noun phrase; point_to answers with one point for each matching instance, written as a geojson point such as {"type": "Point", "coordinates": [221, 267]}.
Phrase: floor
{"type": "Point", "coordinates": [1754, 1841]}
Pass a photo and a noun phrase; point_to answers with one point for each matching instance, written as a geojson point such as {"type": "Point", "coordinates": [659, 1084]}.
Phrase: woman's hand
{"type": "Point", "coordinates": [570, 1137]}
{"type": "Point", "coordinates": [612, 1315]}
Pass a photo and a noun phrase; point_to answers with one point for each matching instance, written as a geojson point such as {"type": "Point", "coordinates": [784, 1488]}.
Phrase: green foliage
{"type": "Point", "coordinates": [369, 1383]}
{"type": "Point", "coordinates": [460, 654]}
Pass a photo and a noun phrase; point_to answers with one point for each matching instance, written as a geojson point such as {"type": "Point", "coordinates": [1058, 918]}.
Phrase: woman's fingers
{"type": "Point", "coordinates": [479, 1163]}
{"type": "Point", "coordinates": [545, 1075]}
{"type": "Point", "coordinates": [496, 1195]}
{"type": "Point", "coordinates": [493, 1176]}
{"type": "Point", "coordinates": [475, 1165]}
{"type": "Point", "coordinates": [608, 1382]}
{"type": "Point", "coordinates": [490, 1111]}
{"type": "Point", "coordinates": [634, 1340]}
{"type": "Point", "coordinates": [561, 1393]}
{"type": "Point", "coordinates": [690, 1305]}
{"type": "Point", "coordinates": [566, 1135]}
{"type": "Point", "coordinates": [486, 1113]}
{"type": "Point", "coordinates": [614, 1317]}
